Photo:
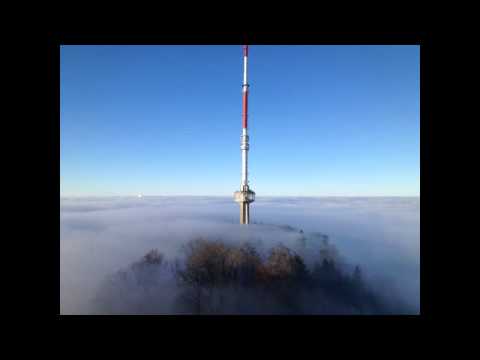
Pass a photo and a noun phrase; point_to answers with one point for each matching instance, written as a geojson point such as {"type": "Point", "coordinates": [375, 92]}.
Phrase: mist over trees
{"type": "Point", "coordinates": [215, 277]}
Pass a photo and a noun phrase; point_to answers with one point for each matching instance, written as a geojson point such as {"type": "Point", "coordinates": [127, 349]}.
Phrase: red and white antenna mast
{"type": "Point", "coordinates": [245, 196]}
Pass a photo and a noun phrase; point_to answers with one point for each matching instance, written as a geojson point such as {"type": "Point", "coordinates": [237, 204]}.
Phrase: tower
{"type": "Point", "coordinates": [245, 196]}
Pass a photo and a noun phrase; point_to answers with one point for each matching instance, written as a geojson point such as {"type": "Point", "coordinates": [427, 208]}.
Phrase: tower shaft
{"type": "Point", "coordinates": [244, 213]}
{"type": "Point", "coordinates": [244, 139]}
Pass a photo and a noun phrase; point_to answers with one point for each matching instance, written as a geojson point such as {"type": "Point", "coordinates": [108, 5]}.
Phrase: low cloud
{"type": "Point", "coordinates": [100, 237]}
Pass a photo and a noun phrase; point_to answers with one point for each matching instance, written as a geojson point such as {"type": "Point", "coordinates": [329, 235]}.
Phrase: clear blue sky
{"type": "Point", "coordinates": [166, 120]}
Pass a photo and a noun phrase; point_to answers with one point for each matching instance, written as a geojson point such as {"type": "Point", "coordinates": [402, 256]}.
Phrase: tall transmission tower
{"type": "Point", "coordinates": [245, 196]}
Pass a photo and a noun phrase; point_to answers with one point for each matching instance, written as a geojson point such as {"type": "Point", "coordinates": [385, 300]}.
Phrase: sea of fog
{"type": "Point", "coordinates": [99, 236]}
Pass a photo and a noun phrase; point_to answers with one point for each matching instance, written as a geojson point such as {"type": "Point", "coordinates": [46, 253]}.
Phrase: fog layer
{"type": "Point", "coordinates": [100, 236]}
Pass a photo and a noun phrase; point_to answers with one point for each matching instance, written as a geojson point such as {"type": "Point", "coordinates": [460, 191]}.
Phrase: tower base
{"type": "Point", "coordinates": [244, 213]}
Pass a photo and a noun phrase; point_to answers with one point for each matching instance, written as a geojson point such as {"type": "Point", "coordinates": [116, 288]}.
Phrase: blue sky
{"type": "Point", "coordinates": [166, 120]}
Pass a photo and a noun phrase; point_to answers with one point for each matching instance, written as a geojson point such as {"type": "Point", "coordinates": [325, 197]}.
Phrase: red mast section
{"type": "Point", "coordinates": [245, 89]}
